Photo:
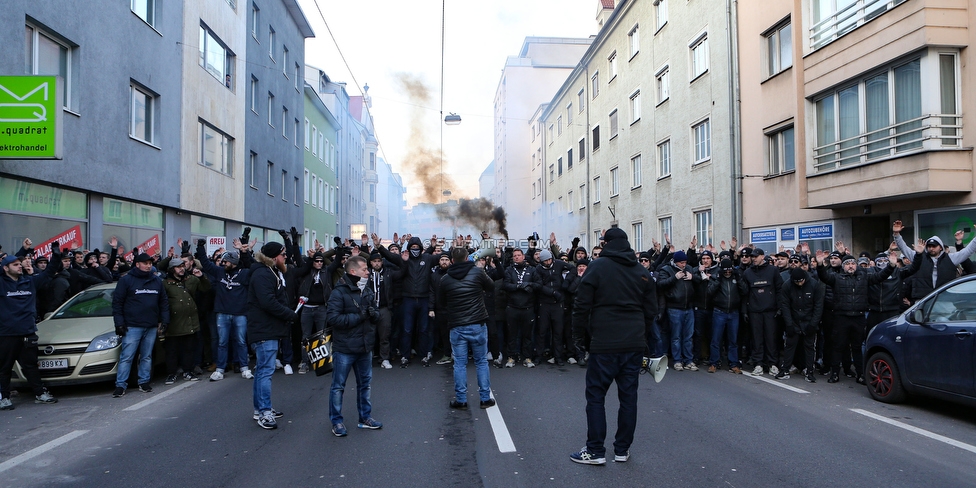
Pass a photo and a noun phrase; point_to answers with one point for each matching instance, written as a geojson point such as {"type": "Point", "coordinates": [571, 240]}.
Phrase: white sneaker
{"type": "Point", "coordinates": [571, 360]}
{"type": "Point", "coordinates": [247, 374]}
{"type": "Point", "coordinates": [278, 364]}
{"type": "Point", "coordinates": [386, 364]}
{"type": "Point", "coordinates": [217, 375]}
{"type": "Point", "coordinates": [288, 369]}
{"type": "Point", "coordinates": [678, 367]}
{"type": "Point", "coordinates": [489, 357]}
{"type": "Point", "coordinates": [691, 367]}
{"type": "Point", "coordinates": [757, 371]}
{"type": "Point", "coordinates": [773, 370]}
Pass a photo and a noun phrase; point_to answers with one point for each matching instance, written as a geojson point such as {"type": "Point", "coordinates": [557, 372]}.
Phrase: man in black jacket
{"type": "Point", "coordinates": [677, 281]}
{"type": "Point", "coordinates": [801, 302]}
{"type": "Point", "coordinates": [550, 288]}
{"type": "Point", "coordinates": [885, 300]}
{"type": "Point", "coordinates": [352, 316]}
{"type": "Point", "coordinates": [615, 303]}
{"type": "Point", "coordinates": [519, 313]}
{"type": "Point", "coordinates": [140, 309]}
{"type": "Point", "coordinates": [316, 286]}
{"type": "Point", "coordinates": [763, 282]}
{"type": "Point", "coordinates": [230, 281]}
{"type": "Point", "coordinates": [416, 295]}
{"type": "Point", "coordinates": [726, 290]}
{"type": "Point", "coordinates": [381, 279]}
{"type": "Point", "coordinates": [935, 266]}
{"type": "Point", "coordinates": [461, 295]}
{"type": "Point", "coordinates": [440, 329]}
{"type": "Point", "coordinates": [268, 318]}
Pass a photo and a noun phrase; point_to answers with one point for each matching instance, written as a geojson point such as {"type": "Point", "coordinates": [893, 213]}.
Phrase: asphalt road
{"type": "Point", "coordinates": [694, 429]}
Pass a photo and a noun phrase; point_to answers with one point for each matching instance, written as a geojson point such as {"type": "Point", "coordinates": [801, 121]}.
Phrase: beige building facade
{"type": "Point", "coordinates": [641, 135]}
{"type": "Point", "coordinates": [854, 115]}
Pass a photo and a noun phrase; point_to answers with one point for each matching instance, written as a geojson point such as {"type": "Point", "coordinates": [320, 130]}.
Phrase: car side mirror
{"type": "Point", "coordinates": [917, 316]}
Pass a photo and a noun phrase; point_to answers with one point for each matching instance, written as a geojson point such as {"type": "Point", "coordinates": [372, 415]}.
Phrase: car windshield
{"type": "Point", "coordinates": [90, 303]}
{"type": "Point", "coordinates": [954, 304]}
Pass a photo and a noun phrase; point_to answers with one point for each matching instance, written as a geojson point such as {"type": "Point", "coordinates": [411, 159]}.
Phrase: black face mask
{"type": "Point", "coordinates": [415, 253]}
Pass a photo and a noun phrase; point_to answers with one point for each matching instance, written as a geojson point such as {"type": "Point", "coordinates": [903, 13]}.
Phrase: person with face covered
{"type": "Point", "coordinates": [415, 286]}
{"type": "Point", "coordinates": [352, 316]}
{"type": "Point", "coordinates": [933, 266]}
{"type": "Point", "coordinates": [726, 290]}
{"type": "Point", "coordinates": [801, 302]}
{"type": "Point", "coordinates": [184, 320]}
{"type": "Point", "coordinates": [575, 351]}
{"type": "Point", "coordinates": [519, 312]}
{"type": "Point", "coordinates": [550, 286]}
{"type": "Point", "coordinates": [230, 279]}
{"type": "Point", "coordinates": [436, 314]}
{"type": "Point", "coordinates": [851, 287]}
{"type": "Point", "coordinates": [381, 279]}
{"type": "Point", "coordinates": [763, 282]}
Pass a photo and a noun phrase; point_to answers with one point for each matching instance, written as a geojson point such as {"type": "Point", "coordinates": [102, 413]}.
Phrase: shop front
{"type": "Point", "coordinates": [42, 213]}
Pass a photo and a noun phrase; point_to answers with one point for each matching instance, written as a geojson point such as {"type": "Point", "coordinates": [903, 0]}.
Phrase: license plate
{"type": "Point", "coordinates": [52, 363]}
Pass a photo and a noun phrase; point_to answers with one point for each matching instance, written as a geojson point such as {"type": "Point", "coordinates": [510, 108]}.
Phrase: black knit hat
{"type": "Point", "coordinates": [272, 249]}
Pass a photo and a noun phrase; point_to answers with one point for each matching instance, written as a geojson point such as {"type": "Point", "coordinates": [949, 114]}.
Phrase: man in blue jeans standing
{"type": "Point", "coordinates": [140, 309]}
{"type": "Point", "coordinates": [352, 314]}
{"type": "Point", "coordinates": [615, 304]}
{"type": "Point", "coordinates": [268, 319]}
{"type": "Point", "coordinates": [415, 285]}
{"type": "Point", "coordinates": [677, 281]}
{"type": "Point", "coordinates": [461, 295]}
{"type": "Point", "coordinates": [230, 303]}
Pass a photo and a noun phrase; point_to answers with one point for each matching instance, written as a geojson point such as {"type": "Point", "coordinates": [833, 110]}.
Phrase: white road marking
{"type": "Point", "coordinates": [922, 432]}
{"type": "Point", "coordinates": [778, 383]}
{"type": "Point", "coordinates": [502, 436]}
{"type": "Point", "coordinates": [37, 451]}
{"type": "Point", "coordinates": [156, 398]}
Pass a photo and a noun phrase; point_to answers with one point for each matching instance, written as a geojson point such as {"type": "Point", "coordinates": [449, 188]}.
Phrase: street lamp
{"type": "Point", "coordinates": [452, 119]}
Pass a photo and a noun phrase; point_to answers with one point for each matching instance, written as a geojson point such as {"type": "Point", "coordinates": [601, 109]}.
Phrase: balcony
{"type": "Point", "coordinates": [370, 177]}
{"type": "Point", "coordinates": [932, 132]}
{"type": "Point", "coordinates": [846, 19]}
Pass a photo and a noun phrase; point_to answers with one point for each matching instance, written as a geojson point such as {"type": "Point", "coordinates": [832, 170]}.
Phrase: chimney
{"type": "Point", "coordinates": [603, 11]}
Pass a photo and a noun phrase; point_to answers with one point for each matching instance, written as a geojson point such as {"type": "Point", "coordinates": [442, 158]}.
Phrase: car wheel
{"type": "Point", "coordinates": [884, 380]}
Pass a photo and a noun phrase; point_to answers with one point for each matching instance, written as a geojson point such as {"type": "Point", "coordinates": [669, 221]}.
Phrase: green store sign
{"type": "Point", "coordinates": [30, 117]}
{"type": "Point", "coordinates": [34, 198]}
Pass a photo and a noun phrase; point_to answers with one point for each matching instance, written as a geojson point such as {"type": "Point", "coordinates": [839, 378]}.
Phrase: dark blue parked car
{"type": "Point", "coordinates": [928, 350]}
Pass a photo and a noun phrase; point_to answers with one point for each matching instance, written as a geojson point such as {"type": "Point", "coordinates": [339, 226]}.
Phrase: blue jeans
{"type": "Point", "coordinates": [725, 323]}
{"type": "Point", "coordinates": [141, 339]}
{"type": "Point", "coordinates": [226, 322]}
{"type": "Point", "coordinates": [682, 327]}
{"type": "Point", "coordinates": [415, 312]}
{"type": "Point", "coordinates": [601, 370]}
{"type": "Point", "coordinates": [264, 366]}
{"type": "Point", "coordinates": [474, 336]}
{"type": "Point", "coordinates": [362, 365]}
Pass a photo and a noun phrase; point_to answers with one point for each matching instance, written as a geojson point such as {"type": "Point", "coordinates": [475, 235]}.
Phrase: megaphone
{"type": "Point", "coordinates": [656, 366]}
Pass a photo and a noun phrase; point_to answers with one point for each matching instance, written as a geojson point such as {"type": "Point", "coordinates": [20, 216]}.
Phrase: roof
{"type": "Point", "coordinates": [299, 17]}
{"type": "Point", "coordinates": [607, 3]}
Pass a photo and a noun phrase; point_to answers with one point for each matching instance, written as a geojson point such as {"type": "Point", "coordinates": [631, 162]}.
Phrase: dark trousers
{"type": "Point", "coordinates": [847, 338]}
{"type": "Point", "coordinates": [551, 318]}
{"type": "Point", "coordinates": [764, 338]}
{"type": "Point", "coordinates": [179, 353]}
{"type": "Point", "coordinates": [383, 328]}
{"type": "Point", "coordinates": [23, 350]}
{"type": "Point", "coordinates": [443, 332]}
{"type": "Point", "coordinates": [415, 312]}
{"type": "Point", "coordinates": [518, 328]}
{"type": "Point", "coordinates": [875, 318]}
{"type": "Point", "coordinates": [809, 350]}
{"type": "Point", "coordinates": [701, 338]}
{"type": "Point", "coordinates": [601, 371]}
{"type": "Point", "coordinates": [396, 329]}
{"type": "Point", "coordinates": [496, 335]}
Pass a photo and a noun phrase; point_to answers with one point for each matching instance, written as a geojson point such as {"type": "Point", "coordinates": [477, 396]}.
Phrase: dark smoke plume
{"type": "Point", "coordinates": [479, 213]}
{"type": "Point", "coordinates": [423, 162]}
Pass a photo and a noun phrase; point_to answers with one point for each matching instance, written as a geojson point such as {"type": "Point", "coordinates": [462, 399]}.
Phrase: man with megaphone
{"type": "Point", "coordinates": [615, 304]}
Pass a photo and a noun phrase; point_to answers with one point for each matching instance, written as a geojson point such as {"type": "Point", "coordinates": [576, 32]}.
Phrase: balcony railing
{"type": "Point", "coordinates": [847, 19]}
{"type": "Point", "coordinates": [936, 131]}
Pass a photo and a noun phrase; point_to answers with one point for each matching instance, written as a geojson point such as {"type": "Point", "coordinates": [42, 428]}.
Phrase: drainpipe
{"type": "Point", "coordinates": [586, 137]}
{"type": "Point", "coordinates": [734, 117]}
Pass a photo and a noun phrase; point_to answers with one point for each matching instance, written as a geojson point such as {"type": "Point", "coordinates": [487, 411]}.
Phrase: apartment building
{"type": "Point", "coordinates": [322, 130]}
{"type": "Point", "coordinates": [853, 115]}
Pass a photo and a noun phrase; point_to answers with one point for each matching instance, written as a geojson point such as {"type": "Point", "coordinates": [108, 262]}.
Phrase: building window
{"type": "Point", "coordinates": [778, 49]}
{"type": "Point", "coordinates": [569, 114]}
{"type": "Point", "coordinates": [582, 148]}
{"type": "Point", "coordinates": [581, 97]}
{"type": "Point", "coordinates": [596, 189]}
{"type": "Point", "coordinates": [145, 9]}
{"type": "Point", "coordinates": [559, 166]}
{"type": "Point", "coordinates": [637, 236]}
{"type": "Point", "coordinates": [559, 125]}
{"type": "Point", "coordinates": [569, 159]}
{"type": "Point", "coordinates": [284, 60]}
{"type": "Point", "coordinates": [309, 127]}
{"type": "Point", "coordinates": [284, 179]}
{"type": "Point", "coordinates": [322, 147]}
{"type": "Point", "coordinates": [834, 18]}
{"type": "Point", "coordinates": [582, 195]}
{"type": "Point", "coordinates": [321, 184]}
{"type": "Point", "coordinates": [143, 105]}
{"type": "Point", "coordinates": [551, 174]}
{"type": "Point", "coordinates": [635, 170]}
{"type": "Point", "coordinates": [215, 57]}
{"type": "Point", "coordinates": [253, 168]}
{"type": "Point", "coordinates": [569, 201]}
{"type": "Point", "coordinates": [284, 122]}
{"type": "Point", "coordinates": [703, 227]}
{"type": "Point", "coordinates": [48, 56]}
{"type": "Point", "coordinates": [254, 94]}
{"type": "Point", "coordinates": [635, 106]}
{"type": "Point", "coordinates": [664, 159]}
{"type": "Point", "coordinates": [294, 131]}
{"type": "Point", "coordinates": [595, 85]}
{"type": "Point", "coordinates": [661, 13]}
{"type": "Point", "coordinates": [881, 115]}
{"type": "Point", "coordinates": [307, 185]}
{"type": "Point", "coordinates": [613, 124]}
{"type": "Point", "coordinates": [663, 84]}
{"type": "Point", "coordinates": [216, 149]}
{"type": "Point", "coordinates": [271, 42]}
{"type": "Point", "coordinates": [270, 174]}
{"type": "Point", "coordinates": [780, 151]}
{"type": "Point", "coordinates": [634, 41]}
{"type": "Point", "coordinates": [298, 77]}
{"type": "Point", "coordinates": [596, 137]}
{"type": "Point", "coordinates": [315, 190]}
{"type": "Point", "coordinates": [614, 183]}
{"type": "Point", "coordinates": [664, 225]}
{"type": "Point", "coordinates": [699, 56]}
{"type": "Point", "coordinates": [271, 109]}
{"type": "Point", "coordinates": [612, 66]}
{"type": "Point", "coordinates": [255, 22]}
{"type": "Point", "coordinates": [551, 138]}
{"type": "Point", "coordinates": [295, 195]}
{"type": "Point", "coordinates": [703, 141]}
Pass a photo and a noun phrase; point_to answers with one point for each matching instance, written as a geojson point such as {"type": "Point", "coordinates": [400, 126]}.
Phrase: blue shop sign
{"type": "Point", "coordinates": [787, 234]}
{"type": "Point", "coordinates": [822, 231]}
{"type": "Point", "coordinates": [763, 236]}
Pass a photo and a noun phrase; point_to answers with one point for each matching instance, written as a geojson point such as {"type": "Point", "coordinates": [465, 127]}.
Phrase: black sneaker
{"type": "Point", "coordinates": [425, 362]}
{"type": "Point", "coordinates": [833, 378]}
{"type": "Point", "coordinates": [119, 391]}
{"type": "Point", "coordinates": [783, 374]}
{"type": "Point", "coordinates": [860, 380]}
{"type": "Point", "coordinates": [145, 388]}
{"type": "Point", "coordinates": [404, 362]}
{"type": "Point", "coordinates": [585, 457]}
{"type": "Point", "coordinates": [190, 377]}
{"type": "Point", "coordinates": [811, 378]}
{"type": "Point", "coordinates": [488, 403]}
{"type": "Point", "coordinates": [170, 379]}
{"type": "Point", "coordinates": [458, 405]}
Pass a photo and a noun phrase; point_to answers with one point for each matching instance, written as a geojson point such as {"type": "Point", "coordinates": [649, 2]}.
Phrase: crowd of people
{"type": "Point", "coordinates": [405, 301]}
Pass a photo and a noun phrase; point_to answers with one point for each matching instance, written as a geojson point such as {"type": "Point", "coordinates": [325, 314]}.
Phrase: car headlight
{"type": "Point", "coordinates": [103, 342]}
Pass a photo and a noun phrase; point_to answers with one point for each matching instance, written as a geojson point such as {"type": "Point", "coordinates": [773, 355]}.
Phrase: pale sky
{"type": "Point", "coordinates": [381, 38]}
